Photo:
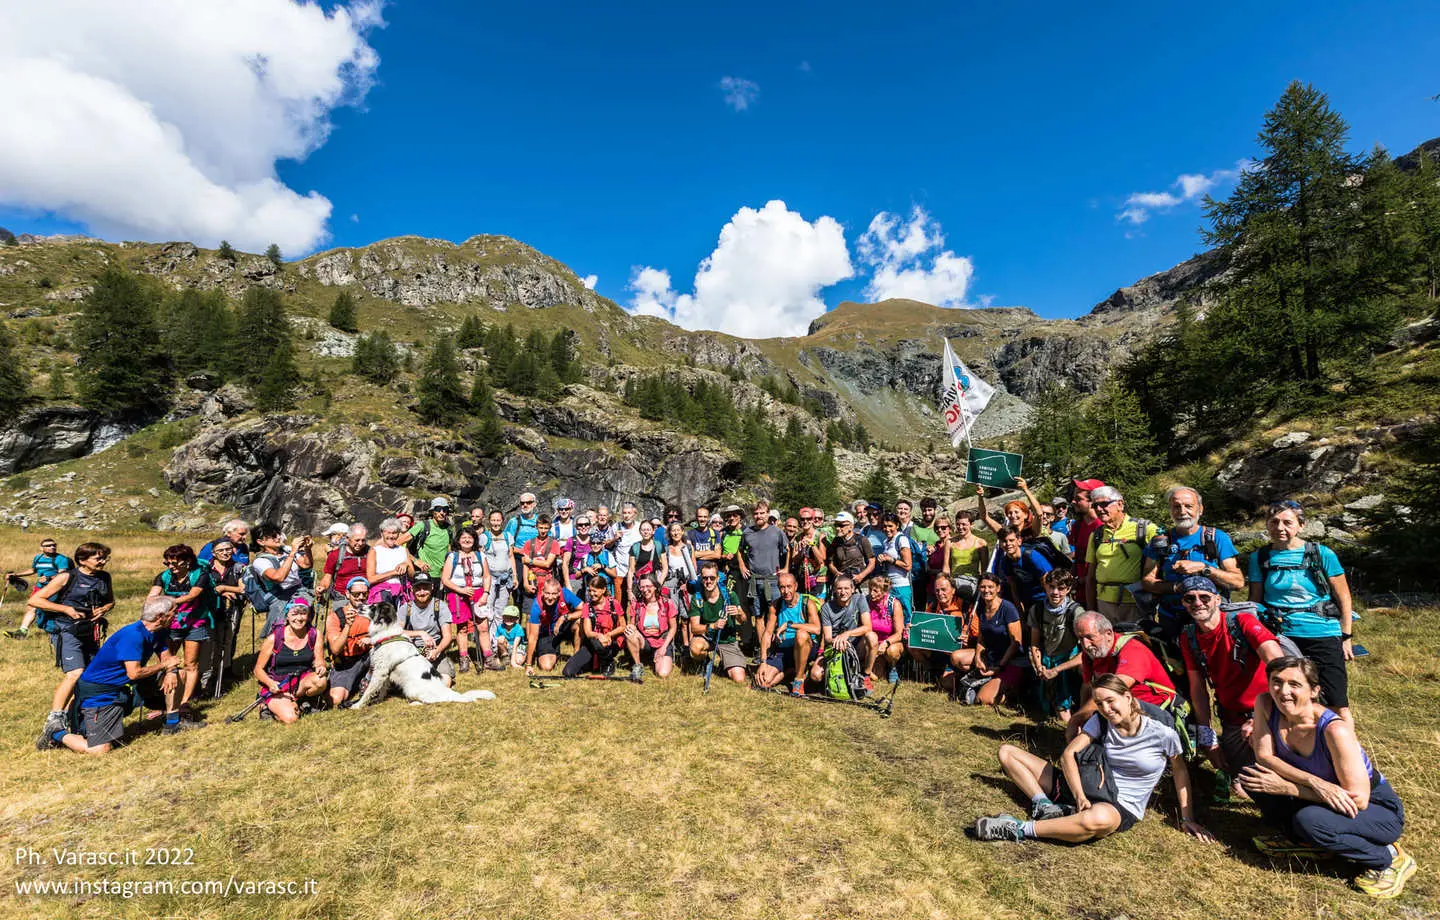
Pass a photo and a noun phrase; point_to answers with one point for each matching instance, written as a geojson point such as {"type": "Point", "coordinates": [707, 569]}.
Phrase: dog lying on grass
{"type": "Point", "coordinates": [394, 660]}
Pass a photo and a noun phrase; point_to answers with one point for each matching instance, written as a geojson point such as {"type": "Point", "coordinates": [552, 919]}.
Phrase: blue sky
{"type": "Point", "coordinates": [601, 135]}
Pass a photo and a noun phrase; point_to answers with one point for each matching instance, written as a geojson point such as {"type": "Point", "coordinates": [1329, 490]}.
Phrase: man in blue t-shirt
{"type": "Point", "coordinates": [704, 537]}
{"type": "Point", "coordinates": [103, 693]}
{"type": "Point", "coordinates": [47, 563]}
{"type": "Point", "coordinates": [1187, 549]}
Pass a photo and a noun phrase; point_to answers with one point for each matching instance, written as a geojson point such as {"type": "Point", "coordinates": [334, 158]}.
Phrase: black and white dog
{"type": "Point", "coordinates": [394, 660]}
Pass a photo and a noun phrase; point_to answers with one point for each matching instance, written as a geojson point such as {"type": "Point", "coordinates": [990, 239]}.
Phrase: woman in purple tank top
{"type": "Point", "coordinates": [1313, 781]}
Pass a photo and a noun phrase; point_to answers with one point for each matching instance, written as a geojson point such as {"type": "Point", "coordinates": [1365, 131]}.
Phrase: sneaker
{"type": "Point", "coordinates": [464, 664]}
{"type": "Point", "coordinates": [181, 726]}
{"type": "Point", "coordinates": [797, 688]}
{"type": "Point", "coordinates": [1388, 882]}
{"type": "Point", "coordinates": [894, 676]}
{"type": "Point", "coordinates": [54, 722]}
{"type": "Point", "coordinates": [1044, 811]}
{"type": "Point", "coordinates": [637, 673]}
{"type": "Point", "coordinates": [609, 671]}
{"type": "Point", "coordinates": [1000, 827]}
{"type": "Point", "coordinates": [868, 683]}
{"type": "Point", "coordinates": [17, 634]}
{"type": "Point", "coordinates": [1284, 845]}
{"type": "Point", "coordinates": [493, 664]}
{"type": "Point", "coordinates": [46, 741]}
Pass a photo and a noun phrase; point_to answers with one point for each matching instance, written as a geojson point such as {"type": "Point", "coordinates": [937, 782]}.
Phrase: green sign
{"type": "Point", "coordinates": [995, 468]}
{"type": "Point", "coordinates": [938, 632]}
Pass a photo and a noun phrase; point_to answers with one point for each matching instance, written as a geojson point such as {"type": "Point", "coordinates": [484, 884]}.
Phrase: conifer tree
{"type": "Point", "coordinates": [482, 398]}
{"type": "Point", "coordinates": [342, 313]}
{"type": "Point", "coordinates": [471, 334]}
{"type": "Point", "coordinates": [260, 328]}
{"type": "Point", "coordinates": [278, 379]}
{"type": "Point", "coordinates": [442, 400]}
{"type": "Point", "coordinates": [13, 388]}
{"type": "Point", "coordinates": [376, 358]}
{"type": "Point", "coordinates": [1119, 449]}
{"type": "Point", "coordinates": [273, 254]}
{"type": "Point", "coordinates": [879, 487]}
{"type": "Point", "coordinates": [226, 251]}
{"type": "Point", "coordinates": [1054, 438]}
{"type": "Point", "coordinates": [58, 388]}
{"type": "Point", "coordinates": [122, 361]}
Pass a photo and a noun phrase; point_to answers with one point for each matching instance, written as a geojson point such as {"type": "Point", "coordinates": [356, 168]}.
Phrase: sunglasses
{"type": "Point", "coordinates": [1105, 504]}
{"type": "Point", "coordinates": [708, 578]}
{"type": "Point", "coordinates": [943, 527]}
{"type": "Point", "coordinates": [527, 503]}
{"type": "Point", "coordinates": [1196, 600]}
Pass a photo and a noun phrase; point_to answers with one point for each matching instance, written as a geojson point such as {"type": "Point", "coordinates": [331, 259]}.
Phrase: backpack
{"type": "Point", "coordinates": [1237, 637]}
{"type": "Point", "coordinates": [278, 642]}
{"type": "Point", "coordinates": [1144, 532]}
{"type": "Point", "coordinates": [844, 679]}
{"type": "Point", "coordinates": [45, 619]}
{"type": "Point", "coordinates": [419, 541]}
{"type": "Point", "coordinates": [1313, 567]}
{"type": "Point", "coordinates": [1044, 547]}
{"type": "Point", "coordinates": [256, 590]}
{"type": "Point", "coordinates": [1175, 709]}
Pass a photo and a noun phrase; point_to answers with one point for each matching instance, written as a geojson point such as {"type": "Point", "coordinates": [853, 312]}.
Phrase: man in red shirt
{"type": "Point", "coordinates": [1124, 656]}
{"type": "Point", "coordinates": [344, 563]}
{"type": "Point", "coordinates": [1087, 521]}
{"type": "Point", "coordinates": [1229, 651]}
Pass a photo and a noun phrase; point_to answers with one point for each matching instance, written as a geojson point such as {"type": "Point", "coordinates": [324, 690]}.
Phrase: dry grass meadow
{"type": "Point", "coordinates": [593, 800]}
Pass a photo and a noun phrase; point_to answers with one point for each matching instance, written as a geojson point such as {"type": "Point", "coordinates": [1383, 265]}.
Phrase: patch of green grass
{"type": "Point", "coordinates": [599, 800]}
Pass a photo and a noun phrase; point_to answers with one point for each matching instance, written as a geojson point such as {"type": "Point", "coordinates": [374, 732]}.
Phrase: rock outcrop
{"type": "Point", "coordinates": [50, 435]}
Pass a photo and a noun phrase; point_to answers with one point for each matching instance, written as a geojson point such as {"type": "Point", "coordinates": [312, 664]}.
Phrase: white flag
{"type": "Point", "coordinates": [963, 397]}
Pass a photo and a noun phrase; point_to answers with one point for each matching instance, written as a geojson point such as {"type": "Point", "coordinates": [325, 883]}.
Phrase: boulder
{"type": "Point", "coordinates": [50, 435]}
{"type": "Point", "coordinates": [1293, 439]}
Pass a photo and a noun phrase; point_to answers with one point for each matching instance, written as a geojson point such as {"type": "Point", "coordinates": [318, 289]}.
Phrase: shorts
{"type": "Point", "coordinates": [200, 632]}
{"type": "Point", "coordinates": [1328, 653]}
{"type": "Point", "coordinates": [462, 609]}
{"type": "Point", "coordinates": [779, 655]}
{"type": "Point", "coordinates": [73, 651]}
{"type": "Point", "coordinates": [347, 677]}
{"type": "Point", "coordinates": [1060, 793]}
{"type": "Point", "coordinates": [546, 645]}
{"type": "Point", "coordinates": [731, 656]}
{"type": "Point", "coordinates": [1236, 748]}
{"type": "Point", "coordinates": [103, 724]}
{"type": "Point", "coordinates": [446, 666]}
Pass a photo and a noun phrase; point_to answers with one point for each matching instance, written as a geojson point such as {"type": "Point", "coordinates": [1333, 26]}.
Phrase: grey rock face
{"type": "Point", "coordinates": [1162, 289]}
{"type": "Point", "coordinates": [50, 435]}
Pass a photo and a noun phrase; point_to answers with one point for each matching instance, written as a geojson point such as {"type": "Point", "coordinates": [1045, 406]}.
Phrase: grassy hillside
{"type": "Point", "coordinates": [600, 800]}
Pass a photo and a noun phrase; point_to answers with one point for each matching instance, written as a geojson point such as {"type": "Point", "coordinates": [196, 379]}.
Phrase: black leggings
{"type": "Point", "coordinates": [591, 651]}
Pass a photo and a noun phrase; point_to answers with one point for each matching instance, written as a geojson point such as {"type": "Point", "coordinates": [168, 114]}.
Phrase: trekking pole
{"type": "Point", "coordinates": [239, 716]}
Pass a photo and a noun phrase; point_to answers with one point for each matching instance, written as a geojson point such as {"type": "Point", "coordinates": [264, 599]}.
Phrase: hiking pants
{"type": "Point", "coordinates": [1362, 839]}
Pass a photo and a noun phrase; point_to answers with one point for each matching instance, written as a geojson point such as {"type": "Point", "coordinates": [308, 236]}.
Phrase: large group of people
{"type": "Point", "coordinates": [1133, 634]}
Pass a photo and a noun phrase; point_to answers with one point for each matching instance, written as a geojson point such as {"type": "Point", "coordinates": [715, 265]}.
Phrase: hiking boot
{"type": "Point", "coordinates": [17, 633]}
{"type": "Point", "coordinates": [637, 673]}
{"type": "Point", "coordinates": [894, 676]}
{"type": "Point", "coordinates": [1044, 811]}
{"type": "Point", "coordinates": [464, 664]}
{"type": "Point", "coordinates": [54, 722]}
{"type": "Point", "coordinates": [175, 728]}
{"type": "Point", "coordinates": [1388, 882]}
{"type": "Point", "coordinates": [46, 741]}
{"type": "Point", "coordinates": [493, 664]}
{"type": "Point", "coordinates": [1000, 827]}
{"type": "Point", "coordinates": [609, 670]}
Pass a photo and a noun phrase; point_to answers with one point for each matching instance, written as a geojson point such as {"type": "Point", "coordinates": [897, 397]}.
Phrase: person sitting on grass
{"type": "Point", "coordinates": [652, 624]}
{"type": "Point", "coordinates": [103, 690]}
{"type": "Point", "coordinates": [1054, 651]}
{"type": "Point", "coordinates": [428, 621]}
{"type": "Point", "coordinates": [789, 631]}
{"type": "Point", "coordinates": [347, 634]}
{"type": "Point", "coordinates": [1073, 804]}
{"type": "Point", "coordinates": [946, 600]}
{"type": "Point", "coordinates": [290, 665]}
{"type": "Point", "coordinates": [510, 637]}
{"type": "Point", "coordinates": [602, 631]}
{"type": "Point", "coordinates": [1314, 782]}
{"type": "Point", "coordinates": [1226, 651]}
{"type": "Point", "coordinates": [844, 620]}
{"type": "Point", "coordinates": [998, 667]}
{"type": "Point", "coordinates": [715, 622]}
{"type": "Point", "coordinates": [887, 621]}
{"type": "Point", "coordinates": [553, 615]}
{"type": "Point", "coordinates": [1125, 656]}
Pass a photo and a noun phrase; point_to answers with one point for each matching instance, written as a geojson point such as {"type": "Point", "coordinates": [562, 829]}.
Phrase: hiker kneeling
{"type": "Point", "coordinates": [1106, 774]}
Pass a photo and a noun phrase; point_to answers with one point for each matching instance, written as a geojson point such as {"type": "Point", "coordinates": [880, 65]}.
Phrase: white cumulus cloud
{"type": "Point", "coordinates": [590, 281]}
{"type": "Point", "coordinates": [763, 279]}
{"type": "Point", "coordinates": [164, 119]}
{"type": "Point", "coordinates": [1139, 206]}
{"type": "Point", "coordinates": [898, 251]}
{"type": "Point", "coordinates": [739, 93]}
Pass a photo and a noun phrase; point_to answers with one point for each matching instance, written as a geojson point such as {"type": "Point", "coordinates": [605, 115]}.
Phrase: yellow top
{"type": "Point", "coordinates": [1116, 556]}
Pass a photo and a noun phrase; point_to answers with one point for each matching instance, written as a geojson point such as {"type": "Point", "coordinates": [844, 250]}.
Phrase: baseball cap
{"type": "Point", "coordinates": [774, 515]}
{"type": "Point", "coordinates": [1198, 583]}
{"type": "Point", "coordinates": [564, 504]}
{"type": "Point", "coordinates": [597, 538]}
{"type": "Point", "coordinates": [510, 613]}
{"type": "Point", "coordinates": [844, 517]}
{"type": "Point", "coordinates": [422, 581]}
{"type": "Point", "coordinates": [439, 501]}
{"type": "Point", "coordinates": [872, 506]}
{"type": "Point", "coordinates": [1089, 485]}
{"type": "Point", "coordinates": [335, 529]}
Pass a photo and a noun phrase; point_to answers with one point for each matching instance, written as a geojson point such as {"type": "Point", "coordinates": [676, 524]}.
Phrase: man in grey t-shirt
{"type": "Point", "coordinates": [428, 620]}
{"type": "Point", "coordinates": [764, 552]}
{"type": "Point", "coordinates": [841, 623]}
